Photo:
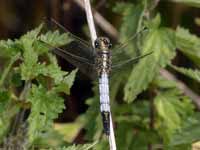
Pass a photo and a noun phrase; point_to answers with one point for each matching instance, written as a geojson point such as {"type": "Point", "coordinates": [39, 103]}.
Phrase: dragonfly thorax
{"type": "Point", "coordinates": [103, 55]}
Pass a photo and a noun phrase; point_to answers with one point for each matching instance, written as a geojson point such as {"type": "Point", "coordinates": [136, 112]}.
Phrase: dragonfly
{"type": "Point", "coordinates": [96, 61]}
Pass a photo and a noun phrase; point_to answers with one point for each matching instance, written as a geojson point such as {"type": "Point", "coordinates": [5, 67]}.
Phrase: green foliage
{"type": "Point", "coordinates": [194, 3]}
{"type": "Point", "coordinates": [194, 74]}
{"type": "Point", "coordinates": [161, 42]}
{"type": "Point", "coordinates": [76, 147]}
{"type": "Point", "coordinates": [188, 44]}
{"type": "Point", "coordinates": [173, 108]}
{"type": "Point", "coordinates": [42, 97]}
{"type": "Point", "coordinates": [148, 110]}
{"type": "Point", "coordinates": [46, 105]}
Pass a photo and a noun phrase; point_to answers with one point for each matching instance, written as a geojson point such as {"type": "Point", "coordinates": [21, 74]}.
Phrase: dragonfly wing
{"type": "Point", "coordinates": [131, 47]}
{"type": "Point", "coordinates": [78, 55]}
{"type": "Point", "coordinates": [131, 60]}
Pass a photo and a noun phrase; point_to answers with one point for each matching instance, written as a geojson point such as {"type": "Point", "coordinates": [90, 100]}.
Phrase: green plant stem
{"type": "Point", "coordinates": [6, 71]}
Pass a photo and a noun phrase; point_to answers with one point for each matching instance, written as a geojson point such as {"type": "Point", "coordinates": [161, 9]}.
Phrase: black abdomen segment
{"type": "Point", "coordinates": [106, 122]}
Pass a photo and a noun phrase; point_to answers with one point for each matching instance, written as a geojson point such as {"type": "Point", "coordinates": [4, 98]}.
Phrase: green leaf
{"type": "Point", "coordinates": [46, 105]}
{"type": "Point", "coordinates": [194, 3]}
{"type": "Point", "coordinates": [66, 83]}
{"type": "Point", "coordinates": [8, 68]}
{"type": "Point", "coordinates": [7, 112]}
{"type": "Point", "coordinates": [154, 23]}
{"type": "Point", "coordinates": [55, 38]}
{"type": "Point", "coordinates": [29, 38]}
{"type": "Point", "coordinates": [189, 133]}
{"type": "Point", "coordinates": [132, 22]}
{"type": "Point", "coordinates": [161, 42]}
{"type": "Point", "coordinates": [188, 44]}
{"type": "Point", "coordinates": [172, 108]}
{"type": "Point", "coordinates": [30, 68]}
{"type": "Point", "coordinates": [76, 147]}
{"type": "Point", "coordinates": [4, 99]}
{"type": "Point", "coordinates": [56, 73]}
{"type": "Point", "coordinates": [194, 74]}
{"type": "Point", "coordinates": [9, 48]}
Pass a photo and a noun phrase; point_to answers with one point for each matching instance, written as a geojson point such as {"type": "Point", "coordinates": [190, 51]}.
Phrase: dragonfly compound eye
{"type": "Point", "coordinates": [96, 44]}
{"type": "Point", "coordinates": [110, 46]}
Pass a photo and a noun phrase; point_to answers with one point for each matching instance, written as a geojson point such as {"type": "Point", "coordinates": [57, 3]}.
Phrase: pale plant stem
{"type": "Point", "coordinates": [105, 25]}
{"type": "Point", "coordinates": [93, 35]}
{"type": "Point", "coordinates": [90, 21]}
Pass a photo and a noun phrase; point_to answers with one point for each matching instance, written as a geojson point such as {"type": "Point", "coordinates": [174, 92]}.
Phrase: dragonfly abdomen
{"type": "Point", "coordinates": [105, 102]}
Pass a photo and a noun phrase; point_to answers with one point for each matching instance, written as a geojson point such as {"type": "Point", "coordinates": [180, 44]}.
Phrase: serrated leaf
{"type": "Point", "coordinates": [8, 68]}
{"type": "Point", "coordinates": [131, 23]}
{"type": "Point", "coordinates": [161, 42]}
{"type": "Point", "coordinates": [55, 38]}
{"type": "Point", "coordinates": [46, 105]}
{"type": "Point", "coordinates": [30, 71]}
{"type": "Point", "coordinates": [67, 83]}
{"type": "Point", "coordinates": [173, 108]}
{"type": "Point", "coordinates": [30, 67]}
{"type": "Point", "coordinates": [7, 112]}
{"type": "Point", "coordinates": [55, 72]}
{"type": "Point", "coordinates": [189, 133]}
{"type": "Point", "coordinates": [30, 37]}
{"type": "Point", "coordinates": [194, 74]}
{"type": "Point", "coordinates": [188, 44]}
{"type": "Point", "coordinates": [194, 3]}
{"type": "Point", "coordinates": [75, 147]}
{"type": "Point", "coordinates": [9, 48]}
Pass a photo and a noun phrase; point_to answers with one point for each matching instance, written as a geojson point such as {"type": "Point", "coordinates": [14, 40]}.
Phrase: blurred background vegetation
{"type": "Point", "coordinates": [166, 115]}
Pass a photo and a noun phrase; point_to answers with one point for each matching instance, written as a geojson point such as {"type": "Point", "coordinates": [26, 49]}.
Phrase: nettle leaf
{"type": "Point", "coordinates": [46, 105]}
{"type": "Point", "coordinates": [77, 147]}
{"type": "Point", "coordinates": [194, 3]}
{"type": "Point", "coordinates": [30, 71]}
{"type": "Point", "coordinates": [194, 74]}
{"type": "Point", "coordinates": [131, 23]}
{"type": "Point", "coordinates": [33, 48]}
{"type": "Point", "coordinates": [9, 48]}
{"type": "Point", "coordinates": [7, 112]}
{"type": "Point", "coordinates": [172, 108]}
{"type": "Point", "coordinates": [30, 68]}
{"type": "Point", "coordinates": [55, 38]}
{"type": "Point", "coordinates": [161, 42]}
{"type": "Point", "coordinates": [188, 44]}
{"type": "Point", "coordinates": [66, 83]}
{"type": "Point", "coordinates": [189, 133]}
{"type": "Point", "coordinates": [55, 72]}
{"type": "Point", "coordinates": [7, 69]}
{"type": "Point", "coordinates": [29, 38]}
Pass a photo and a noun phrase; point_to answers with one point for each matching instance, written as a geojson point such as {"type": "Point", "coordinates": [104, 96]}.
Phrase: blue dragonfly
{"type": "Point", "coordinates": [97, 62]}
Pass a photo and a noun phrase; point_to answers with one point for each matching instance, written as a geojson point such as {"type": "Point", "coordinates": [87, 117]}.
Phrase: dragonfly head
{"type": "Point", "coordinates": [102, 43]}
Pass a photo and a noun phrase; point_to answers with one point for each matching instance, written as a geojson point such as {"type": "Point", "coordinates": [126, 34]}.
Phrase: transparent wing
{"type": "Point", "coordinates": [130, 49]}
{"type": "Point", "coordinates": [85, 66]}
{"type": "Point", "coordinates": [131, 60]}
{"type": "Point", "coordinates": [78, 40]}
{"type": "Point", "coordinates": [78, 52]}
{"type": "Point", "coordinates": [72, 53]}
